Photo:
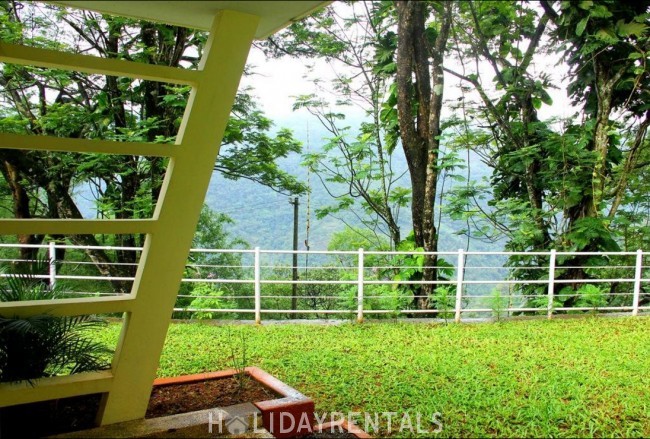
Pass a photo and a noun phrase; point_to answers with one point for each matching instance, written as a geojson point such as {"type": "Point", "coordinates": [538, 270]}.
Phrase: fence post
{"type": "Point", "coordinates": [258, 288]}
{"type": "Point", "coordinates": [551, 284]}
{"type": "Point", "coordinates": [360, 287]}
{"type": "Point", "coordinates": [460, 269]}
{"type": "Point", "coordinates": [52, 257]}
{"type": "Point", "coordinates": [637, 282]}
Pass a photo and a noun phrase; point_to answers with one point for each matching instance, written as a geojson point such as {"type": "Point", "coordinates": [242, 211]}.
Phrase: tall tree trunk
{"type": "Point", "coordinates": [591, 204]}
{"type": "Point", "coordinates": [420, 134]}
{"type": "Point", "coordinates": [605, 82]}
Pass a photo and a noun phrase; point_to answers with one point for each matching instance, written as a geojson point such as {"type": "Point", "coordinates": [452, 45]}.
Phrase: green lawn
{"type": "Point", "coordinates": [581, 377]}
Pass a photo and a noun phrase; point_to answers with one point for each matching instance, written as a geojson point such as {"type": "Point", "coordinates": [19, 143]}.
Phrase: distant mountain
{"type": "Point", "coordinates": [264, 218]}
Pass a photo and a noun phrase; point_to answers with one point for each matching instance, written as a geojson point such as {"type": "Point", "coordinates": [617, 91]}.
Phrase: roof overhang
{"type": "Point", "coordinates": [274, 15]}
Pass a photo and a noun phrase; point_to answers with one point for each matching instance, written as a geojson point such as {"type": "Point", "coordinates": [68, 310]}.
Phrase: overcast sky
{"type": "Point", "coordinates": [277, 81]}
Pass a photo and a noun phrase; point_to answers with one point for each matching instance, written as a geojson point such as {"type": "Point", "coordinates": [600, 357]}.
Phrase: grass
{"type": "Point", "coordinates": [562, 378]}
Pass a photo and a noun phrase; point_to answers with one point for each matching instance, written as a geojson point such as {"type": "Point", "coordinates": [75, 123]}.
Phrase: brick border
{"type": "Point", "coordinates": [292, 404]}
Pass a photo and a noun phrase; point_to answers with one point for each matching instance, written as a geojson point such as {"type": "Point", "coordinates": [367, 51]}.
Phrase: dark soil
{"type": "Point", "coordinates": [78, 413]}
{"type": "Point", "coordinates": [182, 398]}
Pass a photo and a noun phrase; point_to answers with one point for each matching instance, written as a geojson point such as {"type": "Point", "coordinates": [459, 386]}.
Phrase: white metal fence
{"type": "Point", "coordinates": [236, 283]}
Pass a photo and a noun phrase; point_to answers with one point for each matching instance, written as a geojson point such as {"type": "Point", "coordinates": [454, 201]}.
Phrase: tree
{"type": "Point", "coordinates": [69, 104]}
{"type": "Point", "coordinates": [355, 165]}
{"type": "Point", "coordinates": [493, 34]}
{"type": "Point", "coordinates": [553, 184]}
{"type": "Point", "coordinates": [400, 107]}
{"type": "Point", "coordinates": [606, 46]}
{"type": "Point", "coordinates": [528, 153]}
{"type": "Point", "coordinates": [420, 84]}
{"type": "Point", "coordinates": [210, 234]}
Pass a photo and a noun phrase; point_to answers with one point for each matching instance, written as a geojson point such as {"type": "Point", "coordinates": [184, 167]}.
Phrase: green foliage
{"type": "Point", "coordinates": [211, 231]}
{"type": "Point", "coordinates": [591, 234]}
{"type": "Point", "coordinates": [211, 234]}
{"type": "Point", "coordinates": [92, 106]}
{"type": "Point", "coordinates": [207, 297]}
{"type": "Point", "coordinates": [410, 267]}
{"type": "Point", "coordinates": [238, 358]}
{"type": "Point", "coordinates": [592, 296]}
{"type": "Point", "coordinates": [385, 298]}
{"type": "Point", "coordinates": [43, 345]}
{"type": "Point", "coordinates": [307, 38]}
{"type": "Point", "coordinates": [355, 164]}
{"type": "Point", "coordinates": [444, 300]}
{"type": "Point", "coordinates": [498, 304]}
{"type": "Point", "coordinates": [611, 34]}
{"type": "Point", "coordinates": [251, 151]}
{"type": "Point", "coordinates": [354, 238]}
{"type": "Point", "coordinates": [553, 182]}
{"type": "Point", "coordinates": [356, 170]}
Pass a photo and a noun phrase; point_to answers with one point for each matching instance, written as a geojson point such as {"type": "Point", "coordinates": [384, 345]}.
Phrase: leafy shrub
{"type": "Point", "coordinates": [444, 300]}
{"type": "Point", "coordinates": [498, 304]}
{"type": "Point", "coordinates": [209, 297]}
{"type": "Point", "coordinates": [591, 296]}
{"type": "Point", "coordinates": [44, 345]}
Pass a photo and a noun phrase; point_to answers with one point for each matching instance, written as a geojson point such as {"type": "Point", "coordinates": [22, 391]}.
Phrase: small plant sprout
{"type": "Point", "coordinates": [238, 358]}
{"type": "Point", "coordinates": [498, 304]}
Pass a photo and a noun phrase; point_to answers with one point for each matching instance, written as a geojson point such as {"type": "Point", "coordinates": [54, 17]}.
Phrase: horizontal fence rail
{"type": "Point", "coordinates": [247, 283]}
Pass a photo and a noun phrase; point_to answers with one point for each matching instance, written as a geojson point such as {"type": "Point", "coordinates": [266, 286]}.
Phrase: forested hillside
{"type": "Point", "coordinates": [264, 218]}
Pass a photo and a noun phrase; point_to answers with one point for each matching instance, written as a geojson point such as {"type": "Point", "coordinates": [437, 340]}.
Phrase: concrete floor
{"type": "Point", "coordinates": [237, 421]}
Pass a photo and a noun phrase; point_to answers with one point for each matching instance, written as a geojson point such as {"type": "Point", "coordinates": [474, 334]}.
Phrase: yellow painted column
{"type": "Point", "coordinates": [183, 192]}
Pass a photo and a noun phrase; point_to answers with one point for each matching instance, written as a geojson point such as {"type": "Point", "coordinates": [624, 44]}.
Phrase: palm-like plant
{"type": "Point", "coordinates": [44, 345]}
